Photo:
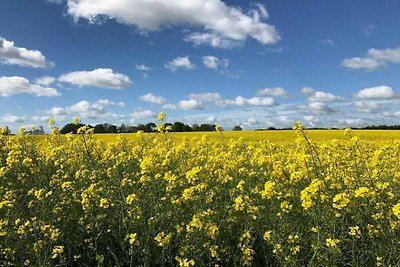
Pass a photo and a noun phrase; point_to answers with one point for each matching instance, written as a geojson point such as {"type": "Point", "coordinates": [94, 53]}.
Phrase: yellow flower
{"type": "Point", "coordinates": [104, 203]}
{"type": "Point", "coordinates": [76, 120]}
{"type": "Point", "coordinates": [218, 128]}
{"type": "Point", "coordinates": [133, 239]}
{"type": "Point", "coordinates": [57, 251]}
{"type": "Point", "coordinates": [298, 126]}
{"type": "Point", "coordinates": [340, 201]}
{"type": "Point", "coordinates": [331, 243]}
{"type": "Point", "coordinates": [355, 231]}
{"type": "Point", "coordinates": [396, 210]}
{"type": "Point", "coordinates": [161, 116]}
{"type": "Point", "coordinates": [268, 191]}
{"type": "Point", "coordinates": [361, 192]}
{"type": "Point", "coordinates": [163, 239]}
{"type": "Point", "coordinates": [130, 199]}
{"type": "Point", "coordinates": [212, 231]}
{"type": "Point", "coordinates": [267, 235]}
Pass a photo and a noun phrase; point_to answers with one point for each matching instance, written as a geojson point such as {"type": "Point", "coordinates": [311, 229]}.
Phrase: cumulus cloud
{"type": "Point", "coordinates": [57, 112]}
{"type": "Point", "coordinates": [321, 108]}
{"type": "Point", "coordinates": [158, 100]}
{"type": "Point", "coordinates": [207, 97]}
{"type": "Point", "coordinates": [143, 67]}
{"type": "Point", "coordinates": [93, 109]}
{"type": "Point", "coordinates": [362, 63]}
{"type": "Point", "coordinates": [190, 104]}
{"type": "Point", "coordinates": [11, 54]}
{"type": "Point", "coordinates": [8, 118]}
{"type": "Point", "coordinates": [307, 90]}
{"type": "Point", "coordinates": [320, 96]}
{"type": "Point", "coordinates": [141, 114]}
{"type": "Point", "coordinates": [375, 59]}
{"type": "Point", "coordinates": [45, 80]}
{"type": "Point", "coordinates": [385, 55]}
{"type": "Point", "coordinates": [86, 109]}
{"type": "Point", "coordinates": [367, 106]}
{"type": "Point", "coordinates": [180, 63]}
{"type": "Point", "coordinates": [101, 78]}
{"type": "Point", "coordinates": [253, 101]}
{"type": "Point", "coordinates": [277, 91]}
{"type": "Point", "coordinates": [215, 63]}
{"type": "Point", "coordinates": [223, 25]}
{"type": "Point", "coordinates": [19, 85]}
{"type": "Point", "coordinates": [378, 92]}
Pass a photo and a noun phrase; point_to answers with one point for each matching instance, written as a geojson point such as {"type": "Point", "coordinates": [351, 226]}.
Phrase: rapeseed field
{"type": "Point", "coordinates": [158, 200]}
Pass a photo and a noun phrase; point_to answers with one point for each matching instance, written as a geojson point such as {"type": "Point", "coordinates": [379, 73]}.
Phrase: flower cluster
{"type": "Point", "coordinates": [75, 200]}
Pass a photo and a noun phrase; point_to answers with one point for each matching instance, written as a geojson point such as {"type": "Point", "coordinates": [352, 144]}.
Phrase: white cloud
{"type": "Point", "coordinates": [307, 90]}
{"type": "Point", "coordinates": [180, 63]}
{"type": "Point", "coordinates": [320, 96]}
{"type": "Point", "coordinates": [277, 91]}
{"type": "Point", "coordinates": [328, 41]}
{"type": "Point", "coordinates": [8, 118]}
{"type": "Point", "coordinates": [190, 104]}
{"type": "Point", "coordinates": [81, 107]}
{"type": "Point", "coordinates": [312, 121]}
{"type": "Point", "coordinates": [218, 100]}
{"type": "Point", "coordinates": [378, 92]}
{"type": "Point", "coordinates": [215, 63]}
{"type": "Point", "coordinates": [367, 106]}
{"type": "Point", "coordinates": [141, 114]}
{"type": "Point", "coordinates": [158, 100]}
{"type": "Point", "coordinates": [45, 80]}
{"type": "Point", "coordinates": [85, 109]}
{"type": "Point", "coordinates": [57, 112]}
{"type": "Point", "coordinates": [223, 25]}
{"type": "Point", "coordinates": [321, 108]}
{"type": "Point", "coordinates": [386, 55]}
{"type": "Point", "coordinates": [10, 54]}
{"type": "Point", "coordinates": [253, 101]}
{"type": "Point", "coordinates": [362, 63]}
{"type": "Point", "coordinates": [143, 67]}
{"type": "Point", "coordinates": [169, 106]}
{"type": "Point", "coordinates": [207, 97]}
{"type": "Point", "coordinates": [101, 78]}
{"type": "Point", "coordinates": [18, 85]}
{"type": "Point", "coordinates": [211, 39]}
{"type": "Point", "coordinates": [375, 59]}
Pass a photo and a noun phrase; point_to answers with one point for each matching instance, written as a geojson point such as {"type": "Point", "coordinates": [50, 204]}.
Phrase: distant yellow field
{"type": "Point", "coordinates": [273, 136]}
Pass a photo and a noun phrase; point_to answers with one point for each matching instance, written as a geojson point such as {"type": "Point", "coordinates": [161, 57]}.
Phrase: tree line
{"type": "Point", "coordinates": [147, 128]}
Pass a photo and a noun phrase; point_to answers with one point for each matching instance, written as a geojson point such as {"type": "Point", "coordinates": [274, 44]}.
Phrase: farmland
{"type": "Point", "coordinates": [277, 198]}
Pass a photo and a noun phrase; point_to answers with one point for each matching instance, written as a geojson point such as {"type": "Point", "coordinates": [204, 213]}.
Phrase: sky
{"type": "Point", "coordinates": [254, 64]}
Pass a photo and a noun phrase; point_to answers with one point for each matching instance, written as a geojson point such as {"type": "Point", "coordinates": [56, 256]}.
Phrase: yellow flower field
{"type": "Point", "coordinates": [297, 200]}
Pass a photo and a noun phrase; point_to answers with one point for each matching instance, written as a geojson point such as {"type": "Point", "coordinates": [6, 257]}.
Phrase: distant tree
{"type": "Point", "coordinates": [178, 126]}
{"type": "Point", "coordinates": [71, 128]}
{"type": "Point", "coordinates": [99, 128]}
{"type": "Point", "coordinates": [105, 128]}
{"type": "Point", "coordinates": [271, 128]}
{"type": "Point", "coordinates": [207, 127]}
{"type": "Point", "coordinates": [195, 127]}
{"type": "Point", "coordinates": [186, 128]}
{"type": "Point", "coordinates": [237, 128]}
{"type": "Point", "coordinates": [150, 127]}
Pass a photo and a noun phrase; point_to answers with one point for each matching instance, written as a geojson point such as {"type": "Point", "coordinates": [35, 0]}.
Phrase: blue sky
{"type": "Point", "coordinates": [253, 64]}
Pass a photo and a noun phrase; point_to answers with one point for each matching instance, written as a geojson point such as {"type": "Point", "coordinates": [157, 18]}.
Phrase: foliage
{"type": "Point", "coordinates": [237, 128]}
{"type": "Point", "coordinates": [73, 200]}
